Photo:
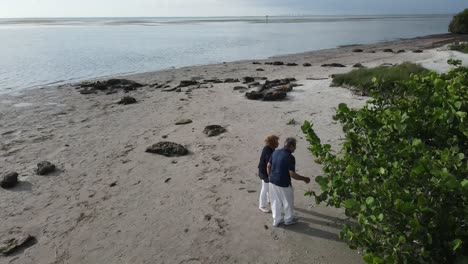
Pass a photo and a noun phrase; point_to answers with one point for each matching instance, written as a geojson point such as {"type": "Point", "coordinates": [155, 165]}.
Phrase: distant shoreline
{"type": "Point", "coordinates": [423, 42]}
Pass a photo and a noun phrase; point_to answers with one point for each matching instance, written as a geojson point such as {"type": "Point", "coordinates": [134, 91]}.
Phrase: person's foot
{"type": "Point", "coordinates": [276, 224]}
{"type": "Point", "coordinates": [265, 210]}
{"type": "Point", "coordinates": [291, 222]}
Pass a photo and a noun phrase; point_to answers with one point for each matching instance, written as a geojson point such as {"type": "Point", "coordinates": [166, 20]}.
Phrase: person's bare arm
{"type": "Point", "coordinates": [298, 177]}
{"type": "Point", "coordinates": [268, 168]}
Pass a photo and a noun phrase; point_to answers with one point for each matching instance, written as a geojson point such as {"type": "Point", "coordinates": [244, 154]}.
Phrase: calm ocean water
{"type": "Point", "coordinates": [40, 52]}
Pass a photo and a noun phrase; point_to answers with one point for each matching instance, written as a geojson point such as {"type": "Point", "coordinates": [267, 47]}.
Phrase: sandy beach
{"type": "Point", "coordinates": [109, 201]}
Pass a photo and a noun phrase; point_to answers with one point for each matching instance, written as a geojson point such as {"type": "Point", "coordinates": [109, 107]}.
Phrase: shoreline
{"type": "Point", "coordinates": [112, 202]}
{"type": "Point", "coordinates": [447, 38]}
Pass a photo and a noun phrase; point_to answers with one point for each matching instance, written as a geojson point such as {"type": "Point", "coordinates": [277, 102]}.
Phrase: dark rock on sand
{"type": "Point", "coordinates": [9, 180]}
{"type": "Point", "coordinates": [260, 69]}
{"type": "Point", "coordinates": [88, 91]}
{"type": "Point", "coordinates": [12, 245]}
{"type": "Point", "coordinates": [45, 167]}
{"type": "Point", "coordinates": [268, 63]}
{"type": "Point", "coordinates": [254, 95]}
{"type": "Point", "coordinates": [291, 64]}
{"type": "Point", "coordinates": [248, 79]}
{"type": "Point", "coordinates": [400, 51]}
{"type": "Point", "coordinates": [240, 88]}
{"type": "Point", "coordinates": [126, 100]}
{"type": "Point", "coordinates": [169, 89]}
{"type": "Point", "coordinates": [417, 51]}
{"type": "Point", "coordinates": [274, 95]}
{"type": "Point", "coordinates": [231, 80]}
{"type": "Point", "coordinates": [333, 65]}
{"type": "Point", "coordinates": [278, 63]}
{"type": "Point", "coordinates": [357, 50]}
{"type": "Point", "coordinates": [387, 50]}
{"type": "Point", "coordinates": [111, 84]}
{"type": "Point", "coordinates": [253, 84]}
{"type": "Point", "coordinates": [214, 130]}
{"type": "Point", "coordinates": [256, 62]}
{"type": "Point", "coordinates": [358, 65]}
{"type": "Point", "coordinates": [306, 64]}
{"type": "Point", "coordinates": [111, 92]}
{"type": "Point", "coordinates": [213, 81]}
{"type": "Point", "coordinates": [183, 122]}
{"type": "Point", "coordinates": [168, 149]}
{"type": "Point", "coordinates": [186, 83]}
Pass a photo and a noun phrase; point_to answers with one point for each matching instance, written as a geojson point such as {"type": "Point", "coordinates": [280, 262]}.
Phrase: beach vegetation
{"type": "Point", "coordinates": [461, 47]}
{"type": "Point", "coordinates": [401, 173]}
{"type": "Point", "coordinates": [362, 81]}
{"type": "Point", "coordinates": [459, 23]}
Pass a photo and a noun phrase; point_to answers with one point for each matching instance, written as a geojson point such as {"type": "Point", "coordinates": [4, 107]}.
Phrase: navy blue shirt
{"type": "Point", "coordinates": [262, 164]}
{"type": "Point", "coordinates": [282, 161]}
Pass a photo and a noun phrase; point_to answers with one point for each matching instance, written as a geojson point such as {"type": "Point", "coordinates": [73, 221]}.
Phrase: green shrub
{"type": "Point", "coordinates": [461, 47]}
{"type": "Point", "coordinates": [459, 23]}
{"type": "Point", "coordinates": [361, 80]}
{"type": "Point", "coordinates": [402, 172]}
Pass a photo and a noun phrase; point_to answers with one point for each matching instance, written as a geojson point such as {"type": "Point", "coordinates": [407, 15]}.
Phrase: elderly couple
{"type": "Point", "coordinates": [276, 168]}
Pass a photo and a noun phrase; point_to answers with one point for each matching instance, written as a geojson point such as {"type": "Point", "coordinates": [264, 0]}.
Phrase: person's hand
{"type": "Point", "coordinates": [307, 179]}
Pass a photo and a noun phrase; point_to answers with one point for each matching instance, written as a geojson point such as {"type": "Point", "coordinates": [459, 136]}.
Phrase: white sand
{"type": "Point", "coordinates": [205, 213]}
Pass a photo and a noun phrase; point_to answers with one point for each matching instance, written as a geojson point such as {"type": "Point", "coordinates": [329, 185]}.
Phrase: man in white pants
{"type": "Point", "coordinates": [281, 168]}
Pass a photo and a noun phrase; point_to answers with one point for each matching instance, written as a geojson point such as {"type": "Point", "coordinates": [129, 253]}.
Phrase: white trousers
{"type": "Point", "coordinates": [282, 198]}
{"type": "Point", "coordinates": [264, 195]}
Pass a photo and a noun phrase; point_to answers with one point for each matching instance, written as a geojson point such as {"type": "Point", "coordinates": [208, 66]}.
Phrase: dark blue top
{"type": "Point", "coordinates": [282, 161]}
{"type": "Point", "coordinates": [262, 164]}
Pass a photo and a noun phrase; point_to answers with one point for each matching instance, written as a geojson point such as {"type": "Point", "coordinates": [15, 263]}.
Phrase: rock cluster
{"type": "Point", "coordinates": [273, 90]}
{"type": "Point", "coordinates": [110, 86]}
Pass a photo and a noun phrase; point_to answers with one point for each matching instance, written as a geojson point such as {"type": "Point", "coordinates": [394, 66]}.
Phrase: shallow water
{"type": "Point", "coordinates": [39, 52]}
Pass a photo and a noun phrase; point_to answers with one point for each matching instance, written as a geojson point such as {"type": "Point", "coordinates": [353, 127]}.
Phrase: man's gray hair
{"type": "Point", "coordinates": [290, 142]}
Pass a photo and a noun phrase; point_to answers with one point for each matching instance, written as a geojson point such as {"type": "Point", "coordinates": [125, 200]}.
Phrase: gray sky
{"type": "Point", "coordinates": [116, 8]}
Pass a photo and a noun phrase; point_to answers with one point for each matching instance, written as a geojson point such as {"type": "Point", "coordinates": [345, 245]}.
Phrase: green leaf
{"type": "Point", "coordinates": [464, 184]}
{"type": "Point", "coordinates": [456, 244]}
{"type": "Point", "coordinates": [369, 258]}
{"type": "Point", "coordinates": [401, 240]}
{"type": "Point", "coordinates": [461, 156]}
{"type": "Point", "coordinates": [370, 200]}
{"type": "Point", "coordinates": [380, 217]}
{"type": "Point", "coordinates": [416, 142]}
{"type": "Point", "coordinates": [349, 203]}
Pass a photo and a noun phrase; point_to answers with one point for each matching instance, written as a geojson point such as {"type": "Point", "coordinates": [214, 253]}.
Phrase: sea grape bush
{"type": "Point", "coordinates": [402, 172]}
{"type": "Point", "coordinates": [459, 23]}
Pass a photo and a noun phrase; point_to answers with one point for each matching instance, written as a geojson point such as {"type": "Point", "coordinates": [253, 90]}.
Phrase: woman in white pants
{"type": "Point", "coordinates": [271, 143]}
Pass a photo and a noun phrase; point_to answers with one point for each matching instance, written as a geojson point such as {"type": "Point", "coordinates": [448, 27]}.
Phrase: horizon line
{"type": "Point", "coordinates": [285, 15]}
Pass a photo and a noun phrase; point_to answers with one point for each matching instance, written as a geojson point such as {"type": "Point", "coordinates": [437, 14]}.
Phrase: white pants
{"type": "Point", "coordinates": [281, 198]}
{"type": "Point", "coordinates": [264, 195]}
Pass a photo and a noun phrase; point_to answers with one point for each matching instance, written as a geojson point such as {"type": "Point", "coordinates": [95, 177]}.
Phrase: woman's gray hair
{"type": "Point", "coordinates": [290, 142]}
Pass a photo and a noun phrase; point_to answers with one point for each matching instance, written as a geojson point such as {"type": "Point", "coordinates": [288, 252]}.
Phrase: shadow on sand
{"type": "Point", "coordinates": [304, 225]}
